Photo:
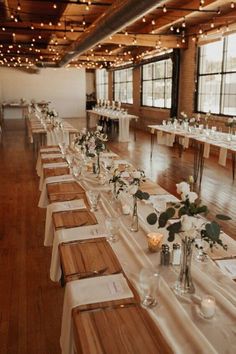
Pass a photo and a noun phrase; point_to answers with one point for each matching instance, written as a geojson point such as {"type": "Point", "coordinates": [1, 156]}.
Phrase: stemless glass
{"type": "Point", "coordinates": [94, 196]}
{"type": "Point", "coordinates": [77, 171]}
{"type": "Point", "coordinates": [112, 225]}
{"type": "Point", "coordinates": [149, 282]}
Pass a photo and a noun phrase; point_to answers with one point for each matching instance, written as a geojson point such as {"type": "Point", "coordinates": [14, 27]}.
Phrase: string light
{"type": "Point", "coordinates": [144, 19]}
{"type": "Point", "coordinates": [164, 9]}
{"type": "Point", "coordinates": [18, 6]}
{"type": "Point", "coordinates": [212, 24]}
{"type": "Point", "coordinates": [153, 22]}
{"type": "Point", "coordinates": [232, 5]}
{"type": "Point", "coordinates": [54, 5]}
{"type": "Point", "coordinates": [172, 28]}
{"type": "Point", "coordinates": [84, 22]}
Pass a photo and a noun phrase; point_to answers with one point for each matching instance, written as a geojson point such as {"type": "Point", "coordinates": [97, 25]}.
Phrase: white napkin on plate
{"type": "Point", "coordinates": [51, 156]}
{"type": "Point", "coordinates": [43, 200]}
{"type": "Point", "coordinates": [89, 291]}
{"type": "Point", "coordinates": [67, 235]}
{"type": "Point", "coordinates": [56, 207]}
{"type": "Point", "coordinates": [48, 149]}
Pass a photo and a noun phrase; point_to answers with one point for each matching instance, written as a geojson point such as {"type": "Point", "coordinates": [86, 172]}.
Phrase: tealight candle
{"type": "Point", "coordinates": [208, 306]}
{"type": "Point", "coordinates": [154, 241]}
{"type": "Point", "coordinates": [125, 209]}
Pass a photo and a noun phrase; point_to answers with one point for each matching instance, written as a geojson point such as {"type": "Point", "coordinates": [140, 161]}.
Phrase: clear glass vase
{"type": "Point", "coordinates": [184, 284]}
{"type": "Point", "coordinates": [134, 223]}
{"type": "Point", "coordinates": [98, 167]}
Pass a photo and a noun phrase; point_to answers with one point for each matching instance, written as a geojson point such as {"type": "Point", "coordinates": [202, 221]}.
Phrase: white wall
{"type": "Point", "coordinates": [65, 88]}
{"type": "Point", "coordinates": [90, 83]}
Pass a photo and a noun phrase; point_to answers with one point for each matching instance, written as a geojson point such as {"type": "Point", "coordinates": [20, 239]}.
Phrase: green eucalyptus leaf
{"type": "Point", "coordinates": [213, 230]}
{"type": "Point", "coordinates": [171, 237]}
{"type": "Point", "coordinates": [223, 217]}
{"type": "Point", "coordinates": [175, 227]}
{"type": "Point", "coordinates": [182, 211]}
{"type": "Point", "coordinates": [163, 218]}
{"type": "Point", "coordinates": [152, 218]}
{"type": "Point", "coordinates": [170, 212]}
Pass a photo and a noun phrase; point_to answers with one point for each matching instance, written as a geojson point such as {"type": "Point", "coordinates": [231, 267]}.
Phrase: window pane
{"type": "Point", "coordinates": [102, 84]}
{"type": "Point", "coordinates": [123, 85]}
{"type": "Point", "coordinates": [211, 56]}
{"type": "Point", "coordinates": [157, 84]}
{"type": "Point", "coordinates": [209, 93]}
{"type": "Point", "coordinates": [147, 93]}
{"type": "Point", "coordinates": [229, 94]}
{"type": "Point", "coordinates": [230, 63]}
{"type": "Point", "coordinates": [147, 71]}
{"type": "Point", "coordinates": [159, 93]}
{"type": "Point", "coordinates": [159, 70]}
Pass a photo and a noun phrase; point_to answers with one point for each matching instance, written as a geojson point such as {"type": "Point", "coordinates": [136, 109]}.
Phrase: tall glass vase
{"type": "Point", "coordinates": [184, 284]}
{"type": "Point", "coordinates": [134, 223]}
{"type": "Point", "coordinates": [98, 169]}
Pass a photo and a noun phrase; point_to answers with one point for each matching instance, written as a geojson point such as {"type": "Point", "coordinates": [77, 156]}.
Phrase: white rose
{"type": "Point", "coordinates": [183, 188]}
{"type": "Point", "coordinates": [230, 120]}
{"type": "Point", "coordinates": [99, 127]}
{"type": "Point", "coordinates": [133, 189]}
{"type": "Point", "coordinates": [136, 174]}
{"type": "Point", "coordinates": [186, 223]}
{"type": "Point", "coordinates": [125, 174]}
{"type": "Point", "coordinates": [84, 131]}
{"type": "Point", "coordinates": [192, 196]}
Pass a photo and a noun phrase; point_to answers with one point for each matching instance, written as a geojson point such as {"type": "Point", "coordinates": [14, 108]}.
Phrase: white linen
{"type": "Point", "coordinates": [56, 207]}
{"type": "Point", "coordinates": [57, 136]}
{"type": "Point", "coordinates": [67, 235]}
{"type": "Point", "coordinates": [165, 139]}
{"type": "Point", "coordinates": [206, 151]}
{"type": "Point", "coordinates": [124, 129]}
{"type": "Point", "coordinates": [89, 291]}
{"type": "Point", "coordinates": [43, 200]}
{"type": "Point", "coordinates": [222, 156]}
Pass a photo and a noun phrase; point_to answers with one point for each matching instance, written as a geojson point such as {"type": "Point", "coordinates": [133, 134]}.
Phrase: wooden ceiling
{"type": "Point", "coordinates": [49, 33]}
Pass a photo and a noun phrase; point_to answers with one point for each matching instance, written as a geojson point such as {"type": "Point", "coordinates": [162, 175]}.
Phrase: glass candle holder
{"type": "Point", "coordinates": [208, 306]}
{"type": "Point", "coordinates": [154, 240]}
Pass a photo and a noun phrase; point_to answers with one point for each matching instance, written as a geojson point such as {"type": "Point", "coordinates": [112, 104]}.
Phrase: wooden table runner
{"type": "Point", "coordinates": [63, 191]}
{"type": "Point", "coordinates": [73, 218]}
{"type": "Point", "coordinates": [81, 258]}
{"type": "Point", "coordinates": [58, 171]}
{"type": "Point", "coordinates": [117, 327]}
{"type": "Point", "coordinates": [53, 160]}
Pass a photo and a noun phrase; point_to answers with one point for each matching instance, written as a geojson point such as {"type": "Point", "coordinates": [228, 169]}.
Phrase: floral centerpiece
{"type": "Point", "coordinates": [188, 226]}
{"type": "Point", "coordinates": [129, 181]}
{"type": "Point", "coordinates": [231, 123]}
{"type": "Point", "coordinates": [92, 143]}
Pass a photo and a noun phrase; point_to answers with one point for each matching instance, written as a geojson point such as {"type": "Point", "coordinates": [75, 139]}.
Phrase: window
{"type": "Point", "coordinates": [157, 84]}
{"type": "Point", "coordinates": [123, 85]}
{"type": "Point", "coordinates": [217, 77]}
{"type": "Point", "coordinates": [102, 84]}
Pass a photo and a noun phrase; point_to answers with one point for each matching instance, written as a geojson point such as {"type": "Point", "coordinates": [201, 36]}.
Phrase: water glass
{"type": "Point", "coordinates": [149, 282]}
{"type": "Point", "coordinates": [94, 197]}
{"type": "Point", "coordinates": [112, 225]}
{"type": "Point", "coordinates": [76, 171]}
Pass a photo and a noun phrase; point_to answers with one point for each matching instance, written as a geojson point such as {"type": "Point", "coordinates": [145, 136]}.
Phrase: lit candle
{"type": "Point", "coordinates": [208, 306]}
{"type": "Point", "coordinates": [154, 241]}
{"type": "Point", "coordinates": [125, 209]}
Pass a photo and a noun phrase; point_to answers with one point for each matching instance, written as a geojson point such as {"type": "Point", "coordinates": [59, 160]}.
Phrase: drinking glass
{"type": "Point", "coordinates": [94, 196]}
{"type": "Point", "coordinates": [112, 225]}
{"type": "Point", "coordinates": [76, 171]}
{"type": "Point", "coordinates": [69, 159]}
{"type": "Point", "coordinates": [62, 147]}
{"type": "Point", "coordinates": [149, 282]}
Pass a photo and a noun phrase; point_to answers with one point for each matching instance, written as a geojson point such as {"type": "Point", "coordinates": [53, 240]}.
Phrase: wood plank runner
{"type": "Point", "coordinates": [62, 191]}
{"type": "Point", "coordinates": [58, 171]}
{"type": "Point", "coordinates": [53, 159]}
{"type": "Point", "coordinates": [81, 257]}
{"type": "Point", "coordinates": [73, 218]}
{"type": "Point", "coordinates": [117, 327]}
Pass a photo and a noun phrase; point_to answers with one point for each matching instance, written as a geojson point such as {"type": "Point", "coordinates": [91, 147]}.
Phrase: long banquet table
{"type": "Point", "coordinates": [201, 139]}
{"type": "Point", "coordinates": [123, 118]}
{"type": "Point", "coordinates": [180, 328]}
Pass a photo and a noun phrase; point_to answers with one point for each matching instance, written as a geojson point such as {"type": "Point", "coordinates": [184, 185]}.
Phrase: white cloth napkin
{"type": "Point", "coordinates": [89, 291]}
{"type": "Point", "coordinates": [48, 149]}
{"type": "Point", "coordinates": [43, 200]}
{"type": "Point", "coordinates": [67, 235]}
{"type": "Point", "coordinates": [51, 156]}
{"type": "Point", "coordinates": [56, 207]}
{"type": "Point", "coordinates": [50, 165]}
{"type": "Point", "coordinates": [223, 156]}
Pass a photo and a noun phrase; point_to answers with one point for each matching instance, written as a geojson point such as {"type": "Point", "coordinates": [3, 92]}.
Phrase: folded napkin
{"type": "Point", "coordinates": [67, 235]}
{"type": "Point", "coordinates": [51, 156]}
{"type": "Point", "coordinates": [48, 149]}
{"type": "Point", "coordinates": [89, 291]}
{"type": "Point", "coordinates": [56, 207]}
{"type": "Point", "coordinates": [124, 129]}
{"type": "Point", "coordinates": [222, 156]}
{"type": "Point", "coordinates": [43, 200]}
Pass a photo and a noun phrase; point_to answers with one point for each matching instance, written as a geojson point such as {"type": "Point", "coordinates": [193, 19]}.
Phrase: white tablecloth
{"type": "Point", "coordinates": [57, 136]}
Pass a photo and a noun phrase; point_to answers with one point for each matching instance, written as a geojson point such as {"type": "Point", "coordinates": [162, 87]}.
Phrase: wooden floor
{"type": "Point", "coordinates": [30, 304]}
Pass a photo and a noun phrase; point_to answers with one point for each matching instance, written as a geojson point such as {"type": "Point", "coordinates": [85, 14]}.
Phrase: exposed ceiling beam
{"type": "Point", "coordinates": [147, 40]}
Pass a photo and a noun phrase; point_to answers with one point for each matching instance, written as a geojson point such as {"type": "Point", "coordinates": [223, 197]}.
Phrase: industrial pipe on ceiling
{"type": "Point", "coordinates": [119, 15]}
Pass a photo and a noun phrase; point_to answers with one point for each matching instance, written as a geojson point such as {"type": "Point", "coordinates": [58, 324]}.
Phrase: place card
{"type": "Point", "coordinates": [228, 267]}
